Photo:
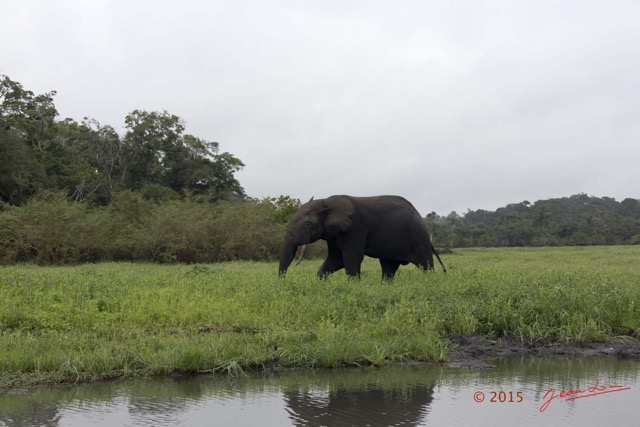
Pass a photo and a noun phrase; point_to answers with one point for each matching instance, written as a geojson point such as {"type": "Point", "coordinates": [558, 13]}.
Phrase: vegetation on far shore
{"type": "Point", "coordinates": [73, 192]}
{"type": "Point", "coordinates": [50, 229]}
{"type": "Point", "coordinates": [578, 220]}
{"type": "Point", "coordinates": [111, 320]}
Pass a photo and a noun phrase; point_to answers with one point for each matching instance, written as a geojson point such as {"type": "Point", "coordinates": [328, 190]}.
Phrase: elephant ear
{"type": "Point", "coordinates": [339, 215]}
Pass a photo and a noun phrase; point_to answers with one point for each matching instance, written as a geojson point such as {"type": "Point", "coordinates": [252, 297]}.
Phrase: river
{"type": "Point", "coordinates": [524, 391]}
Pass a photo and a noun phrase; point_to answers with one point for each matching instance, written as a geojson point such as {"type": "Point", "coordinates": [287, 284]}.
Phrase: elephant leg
{"type": "Point", "coordinates": [424, 259]}
{"type": "Point", "coordinates": [351, 247]}
{"type": "Point", "coordinates": [389, 268]}
{"type": "Point", "coordinates": [333, 262]}
{"type": "Point", "coordinates": [425, 265]}
{"type": "Point", "coordinates": [352, 262]}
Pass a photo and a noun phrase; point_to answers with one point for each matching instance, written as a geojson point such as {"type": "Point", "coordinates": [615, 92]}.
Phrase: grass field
{"type": "Point", "coordinates": [98, 321]}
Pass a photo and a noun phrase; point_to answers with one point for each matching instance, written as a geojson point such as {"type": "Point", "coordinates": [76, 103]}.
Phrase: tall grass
{"type": "Point", "coordinates": [96, 321]}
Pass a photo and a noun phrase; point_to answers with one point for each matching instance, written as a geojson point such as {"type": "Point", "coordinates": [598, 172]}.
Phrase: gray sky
{"type": "Point", "coordinates": [455, 105]}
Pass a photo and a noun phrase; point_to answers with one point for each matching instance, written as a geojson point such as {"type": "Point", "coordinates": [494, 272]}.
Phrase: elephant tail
{"type": "Point", "coordinates": [438, 256]}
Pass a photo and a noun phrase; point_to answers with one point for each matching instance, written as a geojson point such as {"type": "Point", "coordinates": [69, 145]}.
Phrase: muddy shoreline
{"type": "Point", "coordinates": [473, 351]}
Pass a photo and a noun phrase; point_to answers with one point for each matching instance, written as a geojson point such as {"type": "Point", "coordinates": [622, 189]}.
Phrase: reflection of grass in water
{"type": "Point", "coordinates": [540, 373]}
{"type": "Point", "coordinates": [117, 320]}
{"type": "Point", "coordinates": [398, 383]}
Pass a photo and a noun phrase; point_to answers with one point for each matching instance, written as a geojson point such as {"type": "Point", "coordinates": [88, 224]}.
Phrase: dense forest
{"type": "Point", "coordinates": [81, 192]}
{"type": "Point", "coordinates": [91, 161]}
{"type": "Point", "coordinates": [569, 221]}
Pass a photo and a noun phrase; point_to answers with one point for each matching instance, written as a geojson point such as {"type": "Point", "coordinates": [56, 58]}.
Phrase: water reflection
{"type": "Point", "coordinates": [397, 398]}
{"type": "Point", "coordinates": [403, 395]}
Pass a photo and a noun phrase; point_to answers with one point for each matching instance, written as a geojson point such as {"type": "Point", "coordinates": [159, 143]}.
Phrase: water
{"type": "Point", "coordinates": [422, 395]}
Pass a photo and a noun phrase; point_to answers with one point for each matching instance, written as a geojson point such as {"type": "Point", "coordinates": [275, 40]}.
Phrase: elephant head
{"type": "Point", "coordinates": [316, 219]}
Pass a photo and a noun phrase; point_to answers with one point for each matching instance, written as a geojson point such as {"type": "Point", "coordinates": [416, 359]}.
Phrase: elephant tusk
{"type": "Point", "coordinates": [302, 252]}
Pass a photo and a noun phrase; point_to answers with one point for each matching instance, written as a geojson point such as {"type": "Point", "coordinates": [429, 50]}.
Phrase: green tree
{"type": "Point", "coordinates": [157, 152]}
{"type": "Point", "coordinates": [85, 160]}
{"type": "Point", "coordinates": [629, 208]}
{"type": "Point", "coordinates": [103, 151]}
{"type": "Point", "coordinates": [149, 138]}
{"type": "Point", "coordinates": [27, 127]}
{"type": "Point", "coordinates": [21, 175]}
{"type": "Point", "coordinates": [286, 208]}
{"type": "Point", "coordinates": [222, 180]}
{"type": "Point", "coordinates": [32, 116]}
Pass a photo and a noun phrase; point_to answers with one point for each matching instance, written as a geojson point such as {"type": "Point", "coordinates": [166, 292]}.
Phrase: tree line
{"type": "Point", "coordinates": [91, 162]}
{"type": "Point", "coordinates": [578, 220]}
{"type": "Point", "coordinates": [80, 192]}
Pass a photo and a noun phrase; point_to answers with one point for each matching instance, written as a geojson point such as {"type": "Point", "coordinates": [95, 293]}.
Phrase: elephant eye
{"type": "Point", "coordinates": [307, 224]}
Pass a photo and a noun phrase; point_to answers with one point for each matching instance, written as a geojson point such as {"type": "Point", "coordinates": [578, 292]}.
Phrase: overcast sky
{"type": "Point", "coordinates": [455, 105]}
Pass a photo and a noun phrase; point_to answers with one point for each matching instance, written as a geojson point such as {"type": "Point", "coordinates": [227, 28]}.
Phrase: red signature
{"type": "Point", "coordinates": [568, 395]}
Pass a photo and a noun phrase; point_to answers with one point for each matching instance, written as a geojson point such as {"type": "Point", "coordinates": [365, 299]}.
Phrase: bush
{"type": "Point", "coordinates": [48, 229]}
{"type": "Point", "coordinates": [51, 230]}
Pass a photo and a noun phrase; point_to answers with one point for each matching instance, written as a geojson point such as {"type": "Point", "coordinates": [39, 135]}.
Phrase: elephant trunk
{"type": "Point", "coordinates": [286, 257]}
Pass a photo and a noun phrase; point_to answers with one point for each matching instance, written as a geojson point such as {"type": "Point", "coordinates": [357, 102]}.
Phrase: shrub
{"type": "Point", "coordinates": [49, 229]}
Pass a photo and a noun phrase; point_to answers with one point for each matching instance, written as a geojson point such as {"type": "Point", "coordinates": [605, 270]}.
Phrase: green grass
{"type": "Point", "coordinates": [98, 321]}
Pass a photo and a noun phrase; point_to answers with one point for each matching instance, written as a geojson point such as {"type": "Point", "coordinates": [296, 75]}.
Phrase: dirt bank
{"type": "Point", "coordinates": [473, 351]}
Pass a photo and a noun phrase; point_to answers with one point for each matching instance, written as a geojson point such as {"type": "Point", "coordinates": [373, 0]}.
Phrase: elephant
{"type": "Point", "coordinates": [375, 405]}
{"type": "Point", "coordinates": [385, 227]}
